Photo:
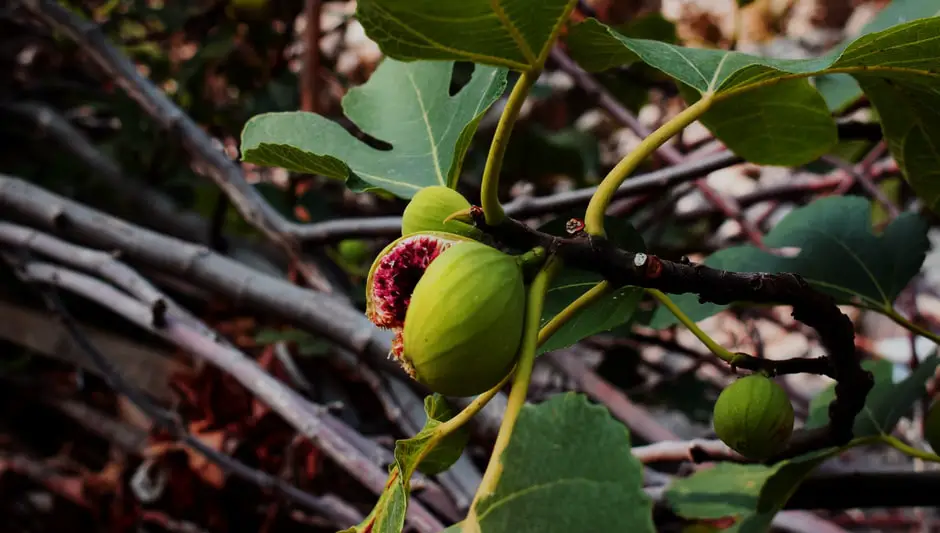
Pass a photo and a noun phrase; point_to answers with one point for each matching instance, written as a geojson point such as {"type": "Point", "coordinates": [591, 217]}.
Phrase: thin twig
{"type": "Point", "coordinates": [312, 421]}
{"type": "Point", "coordinates": [696, 451]}
{"type": "Point", "coordinates": [861, 177]}
{"type": "Point", "coordinates": [223, 171]}
{"type": "Point", "coordinates": [636, 418]}
{"type": "Point", "coordinates": [329, 318]}
{"type": "Point", "coordinates": [308, 78]}
{"type": "Point", "coordinates": [171, 421]}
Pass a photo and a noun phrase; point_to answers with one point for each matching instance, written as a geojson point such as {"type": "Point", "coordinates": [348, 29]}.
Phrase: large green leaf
{"type": "Point", "coordinates": [838, 254]}
{"type": "Point", "coordinates": [406, 105]}
{"type": "Point", "coordinates": [910, 119]}
{"type": "Point", "coordinates": [896, 67]}
{"type": "Point", "coordinates": [424, 451]}
{"type": "Point", "coordinates": [609, 311]}
{"type": "Point", "coordinates": [751, 493]}
{"type": "Point", "coordinates": [886, 403]}
{"type": "Point", "coordinates": [511, 33]}
{"type": "Point", "coordinates": [840, 90]}
{"type": "Point", "coordinates": [567, 468]}
{"type": "Point", "coordinates": [726, 490]}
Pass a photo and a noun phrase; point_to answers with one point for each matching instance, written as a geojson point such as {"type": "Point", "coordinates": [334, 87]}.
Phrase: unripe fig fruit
{"type": "Point", "coordinates": [456, 306]}
{"type": "Point", "coordinates": [430, 206]}
{"type": "Point", "coordinates": [754, 417]}
{"type": "Point", "coordinates": [355, 251]}
{"type": "Point", "coordinates": [464, 324]}
{"type": "Point", "coordinates": [932, 426]}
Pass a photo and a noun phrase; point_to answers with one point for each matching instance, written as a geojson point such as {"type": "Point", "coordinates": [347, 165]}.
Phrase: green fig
{"type": "Point", "coordinates": [754, 417]}
{"type": "Point", "coordinates": [457, 307]}
{"type": "Point", "coordinates": [932, 426]}
{"type": "Point", "coordinates": [430, 206]}
{"type": "Point", "coordinates": [354, 251]}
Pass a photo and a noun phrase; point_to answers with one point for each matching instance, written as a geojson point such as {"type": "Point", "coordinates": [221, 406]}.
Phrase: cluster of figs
{"type": "Point", "coordinates": [455, 304]}
{"type": "Point", "coordinates": [457, 308]}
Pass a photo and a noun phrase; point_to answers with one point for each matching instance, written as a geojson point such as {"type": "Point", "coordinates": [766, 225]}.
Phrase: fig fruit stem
{"type": "Point", "coordinates": [464, 416]}
{"type": "Point", "coordinates": [594, 217]}
{"type": "Point", "coordinates": [896, 443]}
{"type": "Point", "coordinates": [521, 378]}
{"type": "Point", "coordinates": [585, 300]}
{"type": "Point", "coordinates": [489, 193]}
{"type": "Point", "coordinates": [720, 351]}
{"type": "Point", "coordinates": [907, 324]}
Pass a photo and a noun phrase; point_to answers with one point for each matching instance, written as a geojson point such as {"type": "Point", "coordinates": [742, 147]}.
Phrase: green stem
{"type": "Point", "coordinates": [723, 353]}
{"type": "Point", "coordinates": [521, 378]}
{"type": "Point", "coordinates": [566, 314]}
{"type": "Point", "coordinates": [903, 322]}
{"type": "Point", "coordinates": [909, 450]}
{"type": "Point", "coordinates": [489, 194]}
{"type": "Point", "coordinates": [594, 218]}
{"type": "Point", "coordinates": [549, 329]}
{"type": "Point", "coordinates": [467, 412]}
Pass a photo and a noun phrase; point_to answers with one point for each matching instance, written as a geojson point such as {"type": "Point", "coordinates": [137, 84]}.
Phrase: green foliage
{"type": "Point", "coordinates": [751, 493]}
{"type": "Point", "coordinates": [567, 468]}
{"type": "Point", "coordinates": [608, 312]}
{"type": "Point", "coordinates": [779, 118]}
{"type": "Point", "coordinates": [516, 34]}
{"type": "Point", "coordinates": [425, 451]}
{"type": "Point", "coordinates": [766, 110]}
{"type": "Point", "coordinates": [886, 403]}
{"type": "Point", "coordinates": [841, 90]}
{"type": "Point", "coordinates": [838, 254]}
{"type": "Point", "coordinates": [406, 105]}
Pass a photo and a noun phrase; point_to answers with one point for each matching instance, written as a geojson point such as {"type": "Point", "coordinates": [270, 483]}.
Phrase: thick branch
{"type": "Point", "coordinates": [813, 308]}
{"type": "Point", "coordinates": [335, 320]}
{"type": "Point", "coordinates": [852, 490]}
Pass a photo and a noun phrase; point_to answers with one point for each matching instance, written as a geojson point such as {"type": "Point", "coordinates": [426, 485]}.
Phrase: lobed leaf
{"type": "Point", "coordinates": [406, 105]}
{"type": "Point", "coordinates": [840, 90]}
{"type": "Point", "coordinates": [898, 68]}
{"type": "Point", "coordinates": [886, 403]}
{"type": "Point", "coordinates": [516, 34]}
{"type": "Point", "coordinates": [838, 254]}
{"type": "Point", "coordinates": [751, 493]}
{"type": "Point", "coordinates": [567, 468]}
{"type": "Point", "coordinates": [424, 452]}
{"type": "Point", "coordinates": [608, 312]}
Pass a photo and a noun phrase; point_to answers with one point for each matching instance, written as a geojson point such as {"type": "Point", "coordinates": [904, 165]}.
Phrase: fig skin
{"type": "Point", "coordinates": [430, 206]}
{"type": "Point", "coordinates": [464, 325]}
{"type": "Point", "coordinates": [754, 417]}
{"type": "Point", "coordinates": [932, 426]}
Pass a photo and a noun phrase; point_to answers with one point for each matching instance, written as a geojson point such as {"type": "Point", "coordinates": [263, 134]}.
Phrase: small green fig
{"type": "Point", "coordinates": [430, 206]}
{"type": "Point", "coordinates": [457, 308]}
{"type": "Point", "coordinates": [754, 417]}
{"type": "Point", "coordinates": [354, 251]}
{"type": "Point", "coordinates": [932, 426]}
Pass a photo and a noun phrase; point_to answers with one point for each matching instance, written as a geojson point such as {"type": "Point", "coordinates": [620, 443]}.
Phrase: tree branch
{"type": "Point", "coordinates": [849, 490]}
{"type": "Point", "coordinates": [314, 422]}
{"type": "Point", "coordinates": [330, 317]}
{"type": "Point", "coordinates": [814, 309]}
